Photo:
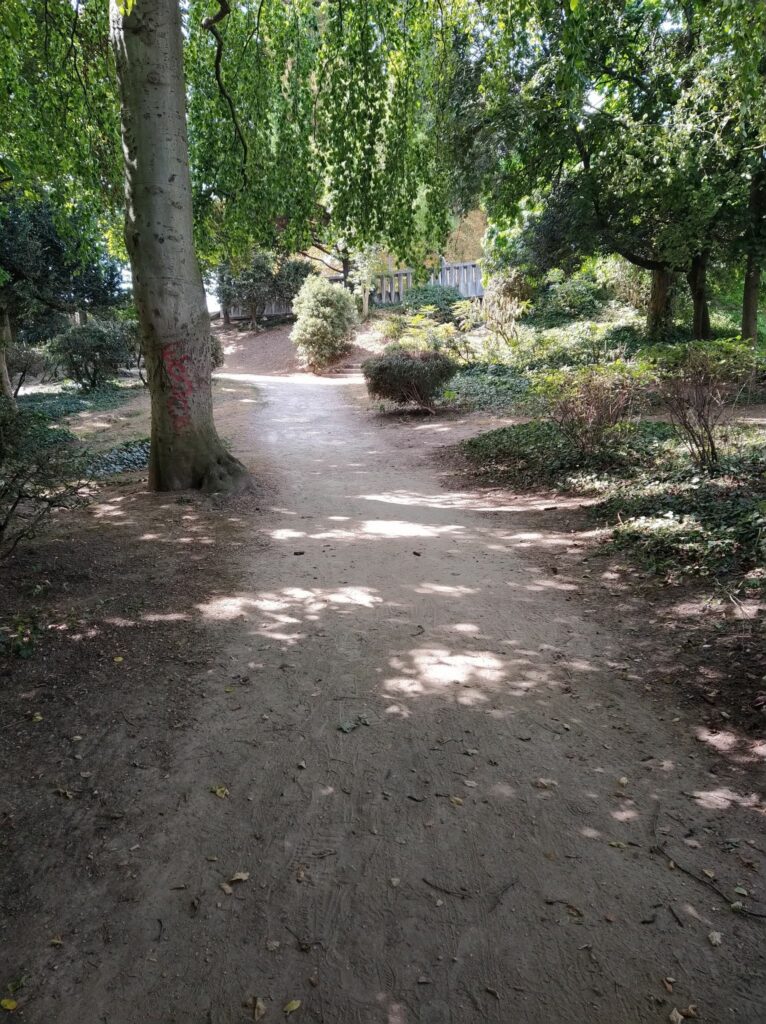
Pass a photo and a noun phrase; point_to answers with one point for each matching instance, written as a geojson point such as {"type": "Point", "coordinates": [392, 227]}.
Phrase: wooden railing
{"type": "Point", "coordinates": [391, 287]}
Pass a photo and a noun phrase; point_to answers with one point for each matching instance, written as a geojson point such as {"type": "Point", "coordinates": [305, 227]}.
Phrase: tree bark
{"type": "Point", "coordinates": [6, 337]}
{"type": "Point", "coordinates": [186, 451]}
{"type": "Point", "coordinates": [697, 279]}
{"type": "Point", "coordinates": [750, 294]}
{"type": "Point", "coordinates": [660, 312]}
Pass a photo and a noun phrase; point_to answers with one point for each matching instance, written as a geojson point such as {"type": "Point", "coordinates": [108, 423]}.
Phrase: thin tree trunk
{"type": "Point", "coordinates": [167, 285]}
{"type": "Point", "coordinates": [226, 315]}
{"type": "Point", "coordinates": [660, 312]}
{"type": "Point", "coordinates": [750, 295]}
{"type": "Point", "coordinates": [754, 246]}
{"type": "Point", "coordinates": [697, 279]}
{"type": "Point", "coordinates": [6, 336]}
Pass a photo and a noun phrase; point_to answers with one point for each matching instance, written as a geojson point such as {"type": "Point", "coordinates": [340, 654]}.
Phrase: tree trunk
{"type": "Point", "coordinates": [750, 295]}
{"type": "Point", "coordinates": [226, 315]}
{"type": "Point", "coordinates": [697, 279]}
{"type": "Point", "coordinates": [755, 240]}
{"type": "Point", "coordinates": [346, 265]}
{"type": "Point", "coordinates": [167, 285]}
{"type": "Point", "coordinates": [660, 312]}
{"type": "Point", "coordinates": [6, 387]}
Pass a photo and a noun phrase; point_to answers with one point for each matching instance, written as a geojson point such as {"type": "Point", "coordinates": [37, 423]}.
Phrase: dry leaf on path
{"type": "Point", "coordinates": [240, 876]}
{"type": "Point", "coordinates": [291, 1007]}
{"type": "Point", "coordinates": [220, 791]}
{"type": "Point", "coordinates": [259, 1010]}
{"type": "Point", "coordinates": [714, 938]}
{"type": "Point", "coordinates": [8, 1004]}
{"type": "Point", "coordinates": [226, 888]}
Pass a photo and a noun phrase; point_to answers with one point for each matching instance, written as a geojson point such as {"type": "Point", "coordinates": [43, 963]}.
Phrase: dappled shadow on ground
{"type": "Point", "coordinates": [407, 710]}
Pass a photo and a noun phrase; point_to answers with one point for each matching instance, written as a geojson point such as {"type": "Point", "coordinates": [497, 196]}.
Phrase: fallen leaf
{"type": "Point", "coordinates": [470, 783]}
{"type": "Point", "coordinates": [259, 1010]}
{"type": "Point", "coordinates": [346, 727]}
{"type": "Point", "coordinates": [8, 1004]}
{"type": "Point", "coordinates": [741, 890]}
{"type": "Point", "coordinates": [708, 872]}
{"type": "Point", "coordinates": [220, 791]}
{"type": "Point", "coordinates": [273, 945]}
{"type": "Point", "coordinates": [623, 781]}
{"type": "Point", "coordinates": [714, 938]}
{"type": "Point", "coordinates": [37, 717]}
{"type": "Point", "coordinates": [690, 1012]}
{"type": "Point", "coordinates": [118, 659]}
{"type": "Point", "coordinates": [675, 1017]}
{"type": "Point", "coordinates": [57, 941]}
{"type": "Point", "coordinates": [301, 764]}
{"type": "Point", "coordinates": [240, 876]}
{"type": "Point", "coordinates": [300, 874]}
{"type": "Point", "coordinates": [394, 882]}
{"type": "Point", "coordinates": [291, 1007]}
{"type": "Point", "coordinates": [456, 800]}
{"type": "Point", "coordinates": [66, 793]}
{"type": "Point", "coordinates": [226, 888]}
{"type": "Point", "coordinates": [668, 984]}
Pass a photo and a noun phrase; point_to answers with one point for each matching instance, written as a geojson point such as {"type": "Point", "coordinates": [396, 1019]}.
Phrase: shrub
{"type": "Point", "coordinates": [40, 471]}
{"type": "Point", "coordinates": [90, 354]}
{"type": "Point", "coordinates": [25, 361]}
{"type": "Point", "coordinates": [288, 279]}
{"type": "Point", "coordinates": [568, 298]}
{"type": "Point", "coordinates": [404, 375]}
{"type": "Point", "coordinates": [326, 314]}
{"type": "Point", "coordinates": [438, 296]}
{"type": "Point", "coordinates": [506, 299]}
{"type": "Point", "coordinates": [588, 403]}
{"type": "Point", "coordinates": [699, 383]}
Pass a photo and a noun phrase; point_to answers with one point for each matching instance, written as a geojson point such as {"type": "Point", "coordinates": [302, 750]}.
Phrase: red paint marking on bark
{"type": "Point", "coordinates": [176, 365]}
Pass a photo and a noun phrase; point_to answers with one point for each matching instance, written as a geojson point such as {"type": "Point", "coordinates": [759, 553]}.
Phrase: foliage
{"type": "Point", "coordinates": [122, 458]}
{"type": "Point", "coordinates": [506, 299]}
{"type": "Point", "coordinates": [67, 401]}
{"type": "Point", "coordinates": [699, 383]}
{"type": "Point", "coordinates": [25, 361]}
{"type": "Point", "coordinates": [289, 276]}
{"type": "Point", "coordinates": [540, 453]}
{"type": "Point", "coordinates": [587, 404]}
{"type": "Point", "coordinates": [438, 298]}
{"type": "Point", "coordinates": [568, 298]}
{"type": "Point", "coordinates": [422, 331]}
{"type": "Point", "coordinates": [40, 472]}
{"type": "Point", "coordinates": [490, 386]}
{"type": "Point", "coordinates": [326, 315]}
{"type": "Point", "coordinates": [405, 375]}
{"type": "Point", "coordinates": [91, 354]}
{"type": "Point", "coordinates": [679, 523]}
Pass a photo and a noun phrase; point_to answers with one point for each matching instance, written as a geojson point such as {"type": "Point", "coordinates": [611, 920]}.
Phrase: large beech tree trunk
{"type": "Point", "coordinates": [660, 312]}
{"type": "Point", "coordinates": [697, 279]}
{"type": "Point", "coordinates": [186, 451]}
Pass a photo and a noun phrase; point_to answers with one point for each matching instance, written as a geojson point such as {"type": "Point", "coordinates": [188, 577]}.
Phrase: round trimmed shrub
{"type": "Point", "coordinates": [408, 375]}
{"type": "Point", "coordinates": [326, 315]}
{"type": "Point", "coordinates": [92, 353]}
{"type": "Point", "coordinates": [441, 298]}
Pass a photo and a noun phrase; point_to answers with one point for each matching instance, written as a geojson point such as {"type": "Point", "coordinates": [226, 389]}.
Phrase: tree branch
{"type": "Point", "coordinates": [210, 24]}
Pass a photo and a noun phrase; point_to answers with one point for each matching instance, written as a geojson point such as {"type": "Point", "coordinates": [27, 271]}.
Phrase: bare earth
{"type": "Point", "coordinates": [432, 755]}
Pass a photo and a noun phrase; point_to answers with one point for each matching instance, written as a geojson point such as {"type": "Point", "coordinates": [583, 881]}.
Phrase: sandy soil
{"type": "Point", "coordinates": [402, 711]}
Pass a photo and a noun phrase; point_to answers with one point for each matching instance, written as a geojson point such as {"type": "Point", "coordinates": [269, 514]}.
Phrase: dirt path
{"type": "Point", "coordinates": [444, 779]}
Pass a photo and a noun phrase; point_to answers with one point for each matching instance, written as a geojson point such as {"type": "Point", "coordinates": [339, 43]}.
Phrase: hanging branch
{"type": "Point", "coordinates": [210, 24]}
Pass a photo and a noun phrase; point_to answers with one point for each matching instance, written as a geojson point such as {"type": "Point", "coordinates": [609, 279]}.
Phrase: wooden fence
{"type": "Point", "coordinates": [391, 287]}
